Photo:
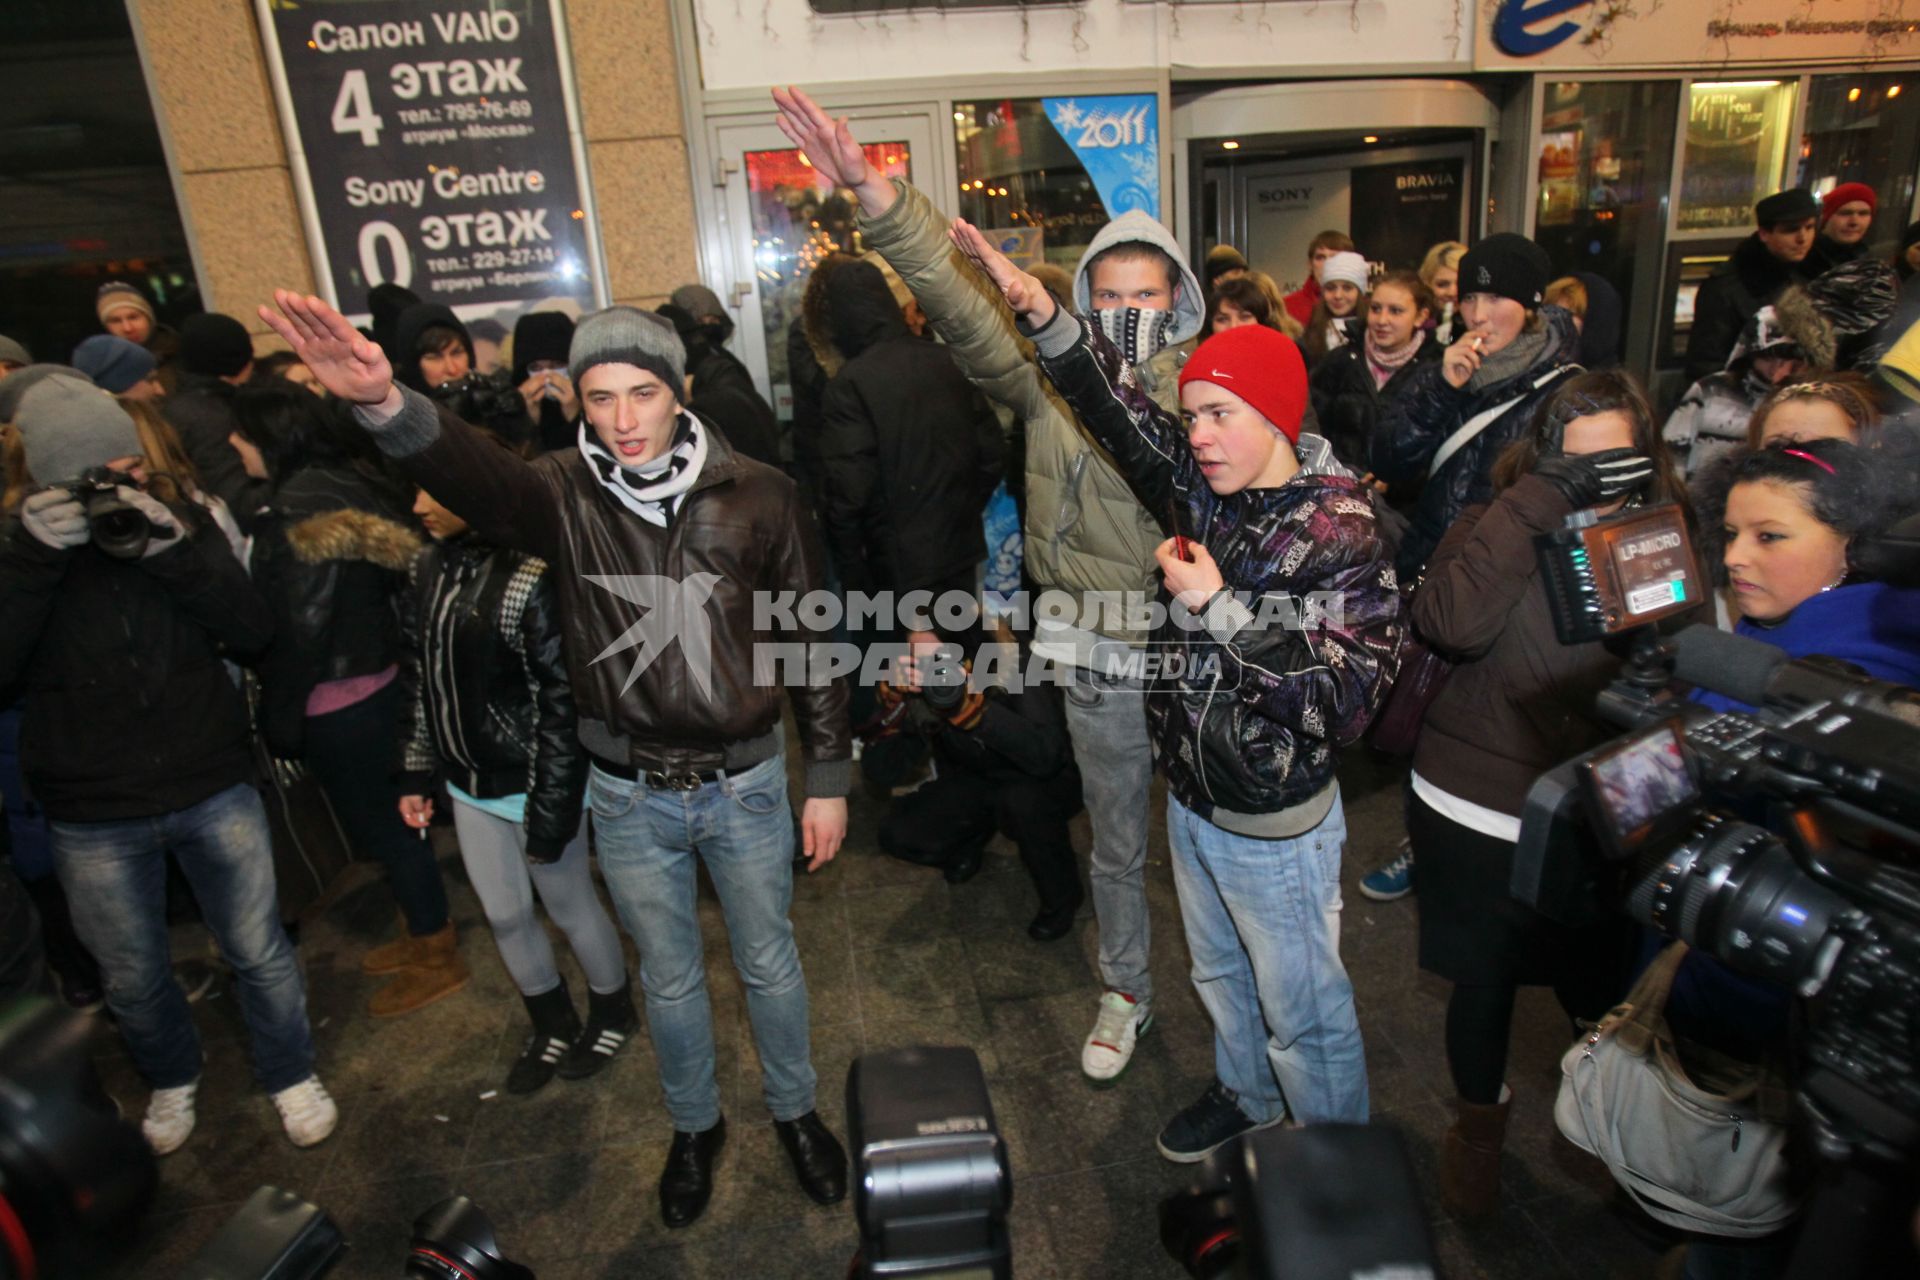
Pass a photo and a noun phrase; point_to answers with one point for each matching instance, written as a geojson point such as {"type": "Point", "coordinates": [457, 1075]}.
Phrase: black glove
{"type": "Point", "coordinates": [1588, 479]}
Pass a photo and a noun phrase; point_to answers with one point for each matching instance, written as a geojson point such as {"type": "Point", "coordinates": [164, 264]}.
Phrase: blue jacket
{"type": "Point", "coordinates": [1870, 624]}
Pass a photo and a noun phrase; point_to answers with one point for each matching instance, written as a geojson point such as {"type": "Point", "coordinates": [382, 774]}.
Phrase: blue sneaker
{"type": "Point", "coordinates": [1393, 881]}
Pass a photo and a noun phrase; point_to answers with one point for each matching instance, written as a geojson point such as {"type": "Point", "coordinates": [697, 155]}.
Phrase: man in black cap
{"type": "Point", "coordinates": [720, 390]}
{"type": "Point", "coordinates": [1777, 254]}
{"type": "Point", "coordinates": [216, 356]}
{"type": "Point", "coordinates": [541, 340]}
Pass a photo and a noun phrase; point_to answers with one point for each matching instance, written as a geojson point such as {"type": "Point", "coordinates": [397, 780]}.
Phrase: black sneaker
{"type": "Point", "coordinates": [611, 1022]}
{"type": "Point", "coordinates": [1212, 1122]}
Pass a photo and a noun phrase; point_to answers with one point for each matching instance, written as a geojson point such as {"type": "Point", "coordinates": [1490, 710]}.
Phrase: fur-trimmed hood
{"type": "Point", "coordinates": [351, 534]}
{"type": "Point", "coordinates": [1829, 315]}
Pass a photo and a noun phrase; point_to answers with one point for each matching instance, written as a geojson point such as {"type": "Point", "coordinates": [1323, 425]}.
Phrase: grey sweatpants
{"type": "Point", "coordinates": [494, 851]}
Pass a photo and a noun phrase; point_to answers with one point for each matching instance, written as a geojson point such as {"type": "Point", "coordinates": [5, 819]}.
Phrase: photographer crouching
{"type": "Point", "coordinates": [120, 609]}
{"type": "Point", "coordinates": [1002, 763]}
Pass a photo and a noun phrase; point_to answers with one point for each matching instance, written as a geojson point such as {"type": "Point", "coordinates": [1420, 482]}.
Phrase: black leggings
{"type": "Point", "coordinates": [1480, 1023]}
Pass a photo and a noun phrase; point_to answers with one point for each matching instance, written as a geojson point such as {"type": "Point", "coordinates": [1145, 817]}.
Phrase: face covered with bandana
{"type": "Point", "coordinates": [1132, 298]}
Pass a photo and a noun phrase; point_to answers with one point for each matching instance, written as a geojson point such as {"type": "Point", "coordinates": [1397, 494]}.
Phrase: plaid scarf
{"type": "Point", "coordinates": [654, 491]}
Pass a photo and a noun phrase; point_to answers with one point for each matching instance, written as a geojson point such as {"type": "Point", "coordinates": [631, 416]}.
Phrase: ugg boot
{"type": "Point", "coordinates": [436, 973]}
{"type": "Point", "coordinates": [391, 957]}
{"type": "Point", "coordinates": [1470, 1157]}
{"type": "Point", "coordinates": [555, 1027]}
{"type": "Point", "coordinates": [611, 1022]}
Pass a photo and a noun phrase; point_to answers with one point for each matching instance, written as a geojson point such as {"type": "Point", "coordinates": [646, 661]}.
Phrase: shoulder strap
{"type": "Point", "coordinates": [1486, 417]}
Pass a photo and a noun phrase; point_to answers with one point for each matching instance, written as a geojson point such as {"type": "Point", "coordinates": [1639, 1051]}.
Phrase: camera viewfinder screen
{"type": "Point", "coordinates": [1638, 782]}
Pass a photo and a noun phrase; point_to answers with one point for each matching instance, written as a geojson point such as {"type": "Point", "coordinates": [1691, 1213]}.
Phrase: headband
{"type": "Point", "coordinates": [1804, 456]}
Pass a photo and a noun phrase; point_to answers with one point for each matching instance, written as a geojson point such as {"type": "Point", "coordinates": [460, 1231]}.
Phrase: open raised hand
{"type": "Point", "coordinates": [342, 359]}
{"type": "Point", "coordinates": [830, 148]}
{"type": "Point", "coordinates": [1025, 294]}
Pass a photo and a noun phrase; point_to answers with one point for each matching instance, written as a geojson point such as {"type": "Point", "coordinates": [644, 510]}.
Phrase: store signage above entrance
{"type": "Point", "coordinates": [1116, 138]}
{"type": "Point", "coordinates": [435, 146]}
{"type": "Point", "coordinates": [1617, 35]}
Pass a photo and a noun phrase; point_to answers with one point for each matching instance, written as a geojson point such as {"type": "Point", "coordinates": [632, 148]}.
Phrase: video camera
{"type": "Point", "coordinates": [1782, 839]}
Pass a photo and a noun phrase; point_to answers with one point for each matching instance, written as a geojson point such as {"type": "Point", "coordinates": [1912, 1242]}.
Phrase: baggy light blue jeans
{"type": "Point", "coordinates": [741, 828]}
{"type": "Point", "coordinates": [115, 875]}
{"type": "Point", "coordinates": [1263, 925]}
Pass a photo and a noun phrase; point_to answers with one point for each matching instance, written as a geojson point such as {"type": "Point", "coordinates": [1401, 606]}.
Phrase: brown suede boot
{"type": "Point", "coordinates": [391, 957]}
{"type": "Point", "coordinates": [438, 972]}
{"type": "Point", "coordinates": [1470, 1158]}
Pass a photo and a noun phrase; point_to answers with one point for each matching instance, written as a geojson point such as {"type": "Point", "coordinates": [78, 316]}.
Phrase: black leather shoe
{"type": "Point", "coordinates": [1053, 923]}
{"type": "Point", "coordinates": [819, 1161]}
{"type": "Point", "coordinates": [965, 867]}
{"type": "Point", "coordinates": [686, 1183]}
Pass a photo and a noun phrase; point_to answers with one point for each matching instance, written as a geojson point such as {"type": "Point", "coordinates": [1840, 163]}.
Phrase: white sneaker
{"type": "Point", "coordinates": [170, 1118]}
{"type": "Point", "coordinates": [307, 1112]}
{"type": "Point", "coordinates": [1109, 1046]}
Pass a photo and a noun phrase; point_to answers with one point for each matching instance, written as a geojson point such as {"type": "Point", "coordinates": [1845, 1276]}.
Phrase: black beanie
{"type": "Point", "coordinates": [540, 335]}
{"type": "Point", "coordinates": [214, 345]}
{"type": "Point", "coordinates": [1509, 265]}
{"type": "Point", "coordinates": [1796, 204]}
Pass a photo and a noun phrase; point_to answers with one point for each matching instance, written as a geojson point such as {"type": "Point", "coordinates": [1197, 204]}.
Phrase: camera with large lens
{"type": "Point", "coordinates": [119, 529]}
{"type": "Point", "coordinates": [74, 1177]}
{"type": "Point", "coordinates": [1784, 842]}
{"type": "Point", "coordinates": [485, 400]}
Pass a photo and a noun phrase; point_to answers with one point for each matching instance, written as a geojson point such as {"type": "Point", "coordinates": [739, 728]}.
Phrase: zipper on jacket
{"type": "Point", "coordinates": [1199, 729]}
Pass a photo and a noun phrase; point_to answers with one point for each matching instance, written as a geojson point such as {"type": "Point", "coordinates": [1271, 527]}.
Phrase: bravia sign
{"type": "Point", "coordinates": [434, 145]}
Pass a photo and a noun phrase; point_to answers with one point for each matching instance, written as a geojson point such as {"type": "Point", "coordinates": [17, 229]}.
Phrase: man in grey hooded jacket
{"type": "Point", "coordinates": [1086, 533]}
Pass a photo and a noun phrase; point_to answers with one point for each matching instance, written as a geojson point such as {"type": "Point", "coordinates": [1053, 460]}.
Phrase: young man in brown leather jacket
{"type": "Point", "coordinates": [657, 531]}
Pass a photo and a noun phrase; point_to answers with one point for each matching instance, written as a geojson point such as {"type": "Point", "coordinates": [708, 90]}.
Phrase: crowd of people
{"type": "Point", "coordinates": [423, 567]}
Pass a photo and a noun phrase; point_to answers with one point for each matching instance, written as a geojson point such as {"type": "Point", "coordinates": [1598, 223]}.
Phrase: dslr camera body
{"type": "Point", "coordinates": [120, 530]}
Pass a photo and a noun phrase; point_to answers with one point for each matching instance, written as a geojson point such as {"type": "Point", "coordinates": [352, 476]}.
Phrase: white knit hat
{"type": "Point", "coordinates": [1349, 266]}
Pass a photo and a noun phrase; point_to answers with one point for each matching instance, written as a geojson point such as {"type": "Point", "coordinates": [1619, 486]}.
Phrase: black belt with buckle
{"type": "Point", "coordinates": [658, 779]}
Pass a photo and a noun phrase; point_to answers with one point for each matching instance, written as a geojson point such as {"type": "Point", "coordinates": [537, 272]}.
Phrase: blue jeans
{"type": "Point", "coordinates": [115, 875]}
{"type": "Point", "coordinates": [1107, 721]}
{"type": "Point", "coordinates": [741, 827]}
{"type": "Point", "coordinates": [1263, 924]}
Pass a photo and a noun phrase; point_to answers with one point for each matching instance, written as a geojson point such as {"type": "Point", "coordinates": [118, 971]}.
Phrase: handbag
{"type": "Point", "coordinates": [1422, 675]}
{"type": "Point", "coordinates": [1696, 1149]}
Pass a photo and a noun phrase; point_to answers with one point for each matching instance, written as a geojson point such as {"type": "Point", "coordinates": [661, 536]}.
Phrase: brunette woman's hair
{"type": "Point", "coordinates": [1855, 491]}
{"type": "Point", "coordinates": [1417, 289]}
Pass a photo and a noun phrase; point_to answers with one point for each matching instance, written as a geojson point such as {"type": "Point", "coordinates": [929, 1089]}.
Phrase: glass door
{"type": "Point", "coordinates": [782, 217]}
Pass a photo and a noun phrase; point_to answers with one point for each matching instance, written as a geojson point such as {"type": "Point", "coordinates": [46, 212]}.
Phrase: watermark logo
{"type": "Point", "coordinates": [790, 652]}
{"type": "Point", "coordinates": [672, 609]}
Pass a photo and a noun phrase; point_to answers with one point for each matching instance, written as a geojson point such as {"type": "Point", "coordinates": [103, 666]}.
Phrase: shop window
{"type": "Point", "coordinates": [1043, 175]}
{"type": "Point", "coordinates": [89, 197]}
{"type": "Point", "coordinates": [1865, 128]}
{"type": "Point", "coordinates": [798, 218]}
{"type": "Point", "coordinates": [1735, 151]}
{"type": "Point", "coordinates": [1605, 156]}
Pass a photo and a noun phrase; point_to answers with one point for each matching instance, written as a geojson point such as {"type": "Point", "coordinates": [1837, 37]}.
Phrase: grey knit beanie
{"type": "Point", "coordinates": [68, 426]}
{"type": "Point", "coordinates": [12, 352]}
{"type": "Point", "coordinates": [625, 335]}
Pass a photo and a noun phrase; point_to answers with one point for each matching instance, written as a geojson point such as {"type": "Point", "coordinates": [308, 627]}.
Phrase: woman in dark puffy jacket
{"type": "Point", "coordinates": [330, 555]}
{"type": "Point", "coordinates": [1356, 382]}
{"type": "Point", "coordinates": [1459, 413]}
{"type": "Point", "coordinates": [1517, 703]}
{"type": "Point", "coordinates": [493, 719]}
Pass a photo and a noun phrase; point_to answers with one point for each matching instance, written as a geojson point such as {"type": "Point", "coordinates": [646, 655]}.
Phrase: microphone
{"type": "Point", "coordinates": [1727, 664]}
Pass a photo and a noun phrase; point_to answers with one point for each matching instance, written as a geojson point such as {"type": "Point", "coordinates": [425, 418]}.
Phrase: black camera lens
{"type": "Point", "coordinates": [455, 1240]}
{"type": "Point", "coordinates": [118, 529]}
{"type": "Point", "coordinates": [1197, 1227]}
{"type": "Point", "coordinates": [1735, 891]}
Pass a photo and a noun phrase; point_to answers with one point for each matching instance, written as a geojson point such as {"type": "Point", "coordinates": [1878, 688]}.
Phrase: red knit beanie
{"type": "Point", "coordinates": [1847, 193]}
{"type": "Point", "coordinates": [1260, 365]}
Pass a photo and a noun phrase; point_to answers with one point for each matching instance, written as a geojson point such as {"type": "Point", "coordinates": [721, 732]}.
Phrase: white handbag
{"type": "Point", "coordinates": [1697, 1158]}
